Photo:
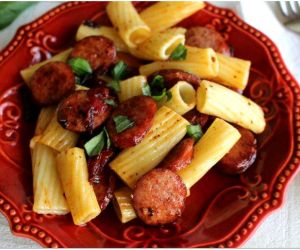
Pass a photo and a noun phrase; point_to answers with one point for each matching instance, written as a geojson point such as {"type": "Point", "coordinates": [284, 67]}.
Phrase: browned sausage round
{"type": "Point", "coordinates": [195, 117]}
{"type": "Point", "coordinates": [104, 190]}
{"type": "Point", "coordinates": [84, 110]}
{"type": "Point", "coordinates": [241, 156]}
{"type": "Point", "coordinates": [180, 156]}
{"type": "Point", "coordinates": [172, 76]}
{"type": "Point", "coordinates": [203, 37]}
{"type": "Point", "coordinates": [99, 51]}
{"type": "Point", "coordinates": [52, 82]}
{"type": "Point", "coordinates": [159, 197]}
{"type": "Point", "coordinates": [140, 110]}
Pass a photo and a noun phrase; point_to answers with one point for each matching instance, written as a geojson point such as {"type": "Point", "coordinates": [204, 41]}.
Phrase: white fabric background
{"type": "Point", "coordinates": [282, 228]}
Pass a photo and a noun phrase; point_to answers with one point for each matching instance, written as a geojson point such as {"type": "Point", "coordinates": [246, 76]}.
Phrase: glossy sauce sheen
{"type": "Point", "coordinates": [84, 110]}
{"type": "Point", "coordinates": [51, 83]}
{"type": "Point", "coordinates": [203, 37]}
{"type": "Point", "coordinates": [140, 110]}
{"type": "Point", "coordinates": [172, 76]}
{"type": "Point", "coordinates": [99, 51]}
{"type": "Point", "coordinates": [159, 197]}
{"type": "Point", "coordinates": [180, 156]}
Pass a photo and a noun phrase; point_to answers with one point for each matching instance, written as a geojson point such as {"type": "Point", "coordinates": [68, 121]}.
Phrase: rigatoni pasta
{"type": "Point", "coordinates": [80, 195]}
{"type": "Point", "coordinates": [233, 72]}
{"type": "Point", "coordinates": [163, 15]}
{"type": "Point", "coordinates": [44, 119]}
{"type": "Point", "coordinates": [131, 27]}
{"type": "Point", "coordinates": [200, 62]}
{"type": "Point", "coordinates": [167, 130]}
{"type": "Point", "coordinates": [217, 100]}
{"type": "Point", "coordinates": [47, 189]}
{"type": "Point", "coordinates": [215, 143]}
{"type": "Point", "coordinates": [28, 72]}
{"type": "Point", "coordinates": [183, 98]}
{"type": "Point", "coordinates": [123, 204]}
{"type": "Point", "coordinates": [132, 87]}
{"type": "Point", "coordinates": [108, 32]}
{"type": "Point", "coordinates": [160, 45]}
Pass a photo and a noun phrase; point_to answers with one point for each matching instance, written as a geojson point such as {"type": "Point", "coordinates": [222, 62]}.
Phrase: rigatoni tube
{"type": "Point", "coordinates": [132, 87]}
{"type": "Point", "coordinates": [126, 19]}
{"type": "Point", "coordinates": [80, 195]}
{"type": "Point", "coordinates": [167, 130]}
{"type": "Point", "coordinates": [183, 98]}
{"type": "Point", "coordinates": [217, 100]}
{"type": "Point", "coordinates": [215, 143]}
{"type": "Point", "coordinates": [44, 119]}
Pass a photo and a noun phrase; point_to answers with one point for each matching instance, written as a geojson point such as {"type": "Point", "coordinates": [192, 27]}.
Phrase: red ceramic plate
{"type": "Point", "coordinates": [221, 211]}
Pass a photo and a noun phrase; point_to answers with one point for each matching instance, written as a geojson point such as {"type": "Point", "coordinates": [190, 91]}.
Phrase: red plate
{"type": "Point", "coordinates": [221, 211]}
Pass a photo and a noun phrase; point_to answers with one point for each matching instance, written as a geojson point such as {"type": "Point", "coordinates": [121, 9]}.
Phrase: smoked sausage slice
{"type": "Point", "coordinates": [172, 76]}
{"type": "Point", "coordinates": [159, 197]}
{"type": "Point", "coordinates": [84, 110]}
{"type": "Point", "coordinates": [195, 117]}
{"type": "Point", "coordinates": [99, 51]}
{"type": "Point", "coordinates": [140, 110]}
{"type": "Point", "coordinates": [241, 156]}
{"type": "Point", "coordinates": [203, 37]}
{"type": "Point", "coordinates": [51, 83]}
{"type": "Point", "coordinates": [180, 156]}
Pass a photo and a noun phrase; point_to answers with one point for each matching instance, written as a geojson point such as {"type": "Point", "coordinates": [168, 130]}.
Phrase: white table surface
{"type": "Point", "coordinates": [282, 228]}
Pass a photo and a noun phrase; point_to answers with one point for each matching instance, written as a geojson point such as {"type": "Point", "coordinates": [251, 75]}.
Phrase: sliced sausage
{"type": "Point", "coordinates": [180, 156]}
{"type": "Point", "coordinates": [99, 51]}
{"type": "Point", "coordinates": [172, 76]}
{"type": "Point", "coordinates": [132, 63]}
{"type": "Point", "coordinates": [51, 83]}
{"type": "Point", "coordinates": [97, 163]}
{"type": "Point", "coordinates": [159, 197]}
{"type": "Point", "coordinates": [203, 37]}
{"type": "Point", "coordinates": [241, 156]}
{"type": "Point", "coordinates": [105, 189]}
{"type": "Point", "coordinates": [84, 110]}
{"type": "Point", "coordinates": [195, 117]}
{"type": "Point", "coordinates": [140, 110]}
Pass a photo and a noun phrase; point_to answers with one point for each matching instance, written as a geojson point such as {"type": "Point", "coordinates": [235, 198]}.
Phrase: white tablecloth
{"type": "Point", "coordinates": [282, 228]}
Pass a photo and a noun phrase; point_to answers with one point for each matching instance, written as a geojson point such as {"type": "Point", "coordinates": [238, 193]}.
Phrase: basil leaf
{"type": "Point", "coordinates": [122, 123]}
{"type": "Point", "coordinates": [80, 66]}
{"type": "Point", "coordinates": [146, 90]}
{"type": "Point", "coordinates": [160, 96]}
{"type": "Point", "coordinates": [179, 53]}
{"type": "Point", "coordinates": [95, 145]}
{"type": "Point", "coordinates": [111, 102]}
{"type": "Point", "coordinates": [114, 85]}
{"type": "Point", "coordinates": [108, 141]}
{"type": "Point", "coordinates": [9, 11]}
{"type": "Point", "coordinates": [194, 131]}
{"type": "Point", "coordinates": [119, 70]}
{"type": "Point", "coordinates": [169, 95]}
{"type": "Point", "coordinates": [157, 82]}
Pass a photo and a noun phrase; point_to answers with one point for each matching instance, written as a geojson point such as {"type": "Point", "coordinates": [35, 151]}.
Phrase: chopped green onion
{"type": "Point", "coordinates": [111, 102]}
{"type": "Point", "coordinates": [146, 90]}
{"type": "Point", "coordinates": [80, 66]}
{"type": "Point", "coordinates": [114, 85]}
{"type": "Point", "coordinates": [194, 131]}
{"type": "Point", "coordinates": [122, 123]}
{"type": "Point", "coordinates": [119, 70]}
{"type": "Point", "coordinates": [108, 142]}
{"type": "Point", "coordinates": [179, 53]}
{"type": "Point", "coordinates": [95, 145]}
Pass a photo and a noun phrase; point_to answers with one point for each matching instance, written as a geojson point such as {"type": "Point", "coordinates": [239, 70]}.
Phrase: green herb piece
{"type": "Point", "coordinates": [146, 90]}
{"type": "Point", "coordinates": [169, 95]}
{"type": "Point", "coordinates": [9, 11]}
{"type": "Point", "coordinates": [80, 66]}
{"type": "Point", "coordinates": [122, 123]}
{"type": "Point", "coordinates": [157, 82]}
{"type": "Point", "coordinates": [160, 96]}
{"type": "Point", "coordinates": [95, 145]}
{"type": "Point", "coordinates": [114, 85]}
{"type": "Point", "coordinates": [108, 141]}
{"type": "Point", "coordinates": [179, 53]}
{"type": "Point", "coordinates": [111, 102]}
{"type": "Point", "coordinates": [119, 70]}
{"type": "Point", "coordinates": [194, 131]}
